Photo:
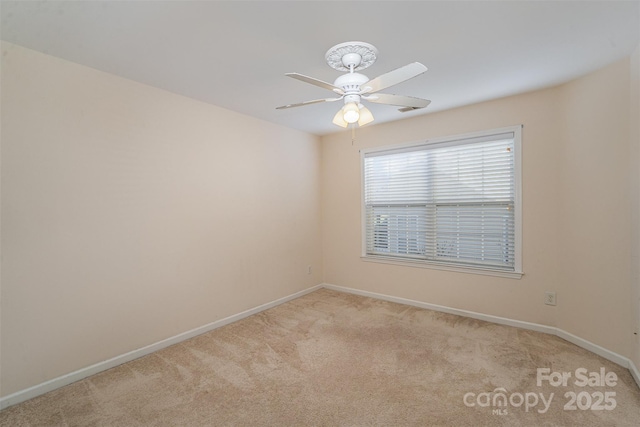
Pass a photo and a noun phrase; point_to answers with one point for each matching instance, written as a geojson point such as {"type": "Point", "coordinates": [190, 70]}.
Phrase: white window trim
{"type": "Point", "coordinates": [517, 157]}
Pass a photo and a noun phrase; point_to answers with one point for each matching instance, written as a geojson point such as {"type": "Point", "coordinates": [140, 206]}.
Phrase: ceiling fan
{"type": "Point", "coordinates": [353, 87]}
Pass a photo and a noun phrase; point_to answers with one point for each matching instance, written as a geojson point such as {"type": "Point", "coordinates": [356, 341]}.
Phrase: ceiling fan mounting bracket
{"type": "Point", "coordinates": [351, 56]}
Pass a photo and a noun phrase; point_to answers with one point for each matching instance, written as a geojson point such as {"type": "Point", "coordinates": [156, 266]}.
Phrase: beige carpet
{"type": "Point", "coordinates": [335, 359]}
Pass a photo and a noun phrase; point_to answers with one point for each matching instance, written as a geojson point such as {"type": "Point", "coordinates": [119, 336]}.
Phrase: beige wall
{"type": "Point", "coordinates": [130, 214]}
{"type": "Point", "coordinates": [575, 141]}
{"type": "Point", "coordinates": [595, 238]}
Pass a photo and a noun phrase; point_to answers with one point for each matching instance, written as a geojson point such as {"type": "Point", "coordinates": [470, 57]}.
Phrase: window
{"type": "Point", "coordinates": [452, 203]}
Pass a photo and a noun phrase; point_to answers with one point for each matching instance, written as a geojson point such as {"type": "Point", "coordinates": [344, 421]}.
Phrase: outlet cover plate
{"type": "Point", "coordinates": [550, 298]}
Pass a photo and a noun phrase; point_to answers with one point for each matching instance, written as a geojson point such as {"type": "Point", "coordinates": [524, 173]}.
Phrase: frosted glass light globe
{"type": "Point", "coordinates": [351, 113]}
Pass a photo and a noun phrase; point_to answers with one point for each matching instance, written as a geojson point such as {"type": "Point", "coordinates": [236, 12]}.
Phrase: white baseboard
{"type": "Point", "coordinates": [444, 309]}
{"type": "Point", "coordinates": [72, 377]}
{"type": "Point", "coordinates": [580, 342]}
{"type": "Point", "coordinates": [635, 373]}
{"type": "Point", "coordinates": [594, 348]}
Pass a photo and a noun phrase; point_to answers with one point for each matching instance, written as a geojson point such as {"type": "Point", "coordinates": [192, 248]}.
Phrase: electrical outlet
{"type": "Point", "coordinates": [550, 298]}
{"type": "Point", "coordinates": [309, 270]}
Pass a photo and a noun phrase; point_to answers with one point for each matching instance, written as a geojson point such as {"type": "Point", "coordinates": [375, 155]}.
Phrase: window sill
{"type": "Point", "coordinates": [438, 266]}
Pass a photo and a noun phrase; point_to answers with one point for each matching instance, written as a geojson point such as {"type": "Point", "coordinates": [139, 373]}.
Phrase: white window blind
{"type": "Point", "coordinates": [452, 202]}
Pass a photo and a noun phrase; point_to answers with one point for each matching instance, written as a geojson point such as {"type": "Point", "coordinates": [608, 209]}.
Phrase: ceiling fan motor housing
{"type": "Point", "coordinates": [352, 98]}
{"type": "Point", "coordinates": [351, 82]}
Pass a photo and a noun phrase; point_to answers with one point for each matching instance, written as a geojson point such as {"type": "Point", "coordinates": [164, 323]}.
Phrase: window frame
{"type": "Point", "coordinates": [450, 266]}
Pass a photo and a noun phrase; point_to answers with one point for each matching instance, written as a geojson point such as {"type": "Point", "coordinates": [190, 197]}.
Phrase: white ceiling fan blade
{"type": "Point", "coordinates": [399, 100]}
{"type": "Point", "coordinates": [315, 101]}
{"type": "Point", "coordinates": [315, 82]}
{"type": "Point", "coordinates": [394, 77]}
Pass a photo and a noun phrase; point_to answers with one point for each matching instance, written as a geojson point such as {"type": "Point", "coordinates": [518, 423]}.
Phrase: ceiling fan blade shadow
{"type": "Point", "coordinates": [406, 109]}
{"type": "Point", "coordinates": [315, 82]}
{"type": "Point", "coordinates": [301, 104]}
{"type": "Point", "coordinates": [394, 77]}
{"type": "Point", "coordinates": [411, 102]}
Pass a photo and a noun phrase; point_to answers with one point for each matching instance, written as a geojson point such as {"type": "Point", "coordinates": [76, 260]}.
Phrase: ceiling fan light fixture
{"type": "Point", "coordinates": [339, 120]}
{"type": "Point", "coordinates": [351, 112]}
{"type": "Point", "coordinates": [365, 116]}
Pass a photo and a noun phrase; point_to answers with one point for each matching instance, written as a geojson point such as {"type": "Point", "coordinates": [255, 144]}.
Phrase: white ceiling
{"type": "Point", "coordinates": [235, 54]}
